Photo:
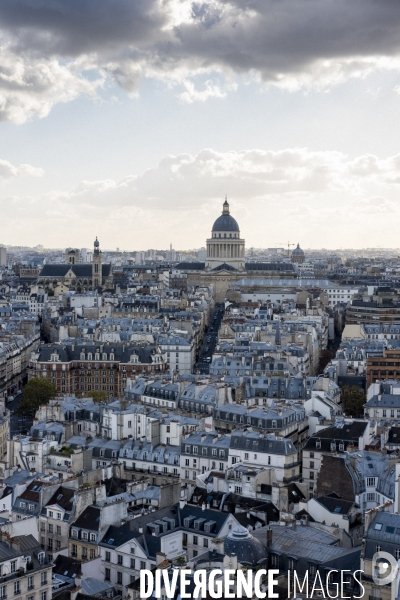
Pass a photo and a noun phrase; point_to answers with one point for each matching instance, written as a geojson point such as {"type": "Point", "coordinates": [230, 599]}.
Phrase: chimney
{"type": "Point", "coordinates": [269, 537]}
{"type": "Point", "coordinates": [203, 506]}
{"type": "Point", "coordinates": [294, 524]}
{"type": "Point", "coordinates": [160, 558]}
{"type": "Point", "coordinates": [182, 504]}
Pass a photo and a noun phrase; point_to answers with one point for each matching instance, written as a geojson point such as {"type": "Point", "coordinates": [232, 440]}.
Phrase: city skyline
{"type": "Point", "coordinates": [133, 122]}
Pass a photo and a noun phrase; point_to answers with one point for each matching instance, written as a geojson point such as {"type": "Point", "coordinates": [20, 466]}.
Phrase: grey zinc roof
{"type": "Point", "coordinates": [212, 439]}
{"type": "Point", "coordinates": [92, 586]}
{"type": "Point", "coordinates": [122, 352]}
{"type": "Point", "coordinates": [135, 449]}
{"type": "Point", "coordinates": [385, 531]}
{"type": "Point", "coordinates": [384, 401]}
{"type": "Point", "coordinates": [262, 443]}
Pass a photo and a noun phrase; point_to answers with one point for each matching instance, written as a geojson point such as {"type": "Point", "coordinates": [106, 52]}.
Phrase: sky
{"type": "Point", "coordinates": [131, 119]}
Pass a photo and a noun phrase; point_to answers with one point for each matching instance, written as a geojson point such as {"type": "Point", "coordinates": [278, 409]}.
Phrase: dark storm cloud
{"type": "Point", "coordinates": [290, 43]}
{"type": "Point", "coordinates": [267, 35]}
{"type": "Point", "coordinates": [71, 28]}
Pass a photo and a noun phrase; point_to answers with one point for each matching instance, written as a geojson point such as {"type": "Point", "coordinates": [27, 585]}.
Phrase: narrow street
{"type": "Point", "coordinates": [18, 424]}
{"type": "Point", "coordinates": [210, 340]}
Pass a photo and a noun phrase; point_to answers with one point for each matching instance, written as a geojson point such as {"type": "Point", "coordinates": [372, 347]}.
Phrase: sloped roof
{"type": "Point", "coordinates": [81, 270]}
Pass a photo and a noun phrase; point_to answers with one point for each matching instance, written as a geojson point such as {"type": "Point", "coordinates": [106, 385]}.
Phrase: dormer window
{"type": "Point", "coordinates": [89, 356]}
{"type": "Point", "coordinates": [134, 358]}
{"type": "Point", "coordinates": [104, 356]}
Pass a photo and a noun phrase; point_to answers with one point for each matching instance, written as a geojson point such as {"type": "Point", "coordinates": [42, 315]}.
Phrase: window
{"type": "Point", "coordinates": [13, 566]}
{"type": "Point", "coordinates": [119, 577]}
{"type": "Point", "coordinates": [371, 497]}
{"type": "Point", "coordinates": [50, 528]}
{"type": "Point", "coordinates": [92, 537]}
{"type": "Point", "coordinates": [84, 553]}
{"type": "Point", "coordinates": [30, 582]}
{"type": "Point", "coordinates": [133, 563]}
{"type": "Point", "coordinates": [74, 533]}
{"type": "Point", "coordinates": [291, 564]}
{"type": "Point", "coordinates": [370, 481]}
{"type": "Point", "coordinates": [205, 543]}
{"type": "Point", "coordinates": [108, 556]}
{"type": "Point", "coordinates": [84, 535]}
{"type": "Point", "coordinates": [119, 559]}
{"type": "Point", "coordinates": [17, 588]}
{"type": "Point", "coordinates": [312, 570]}
{"type": "Point", "coordinates": [195, 540]}
{"type": "Point", "coordinates": [274, 561]}
{"type": "Point", "coordinates": [107, 574]}
{"type": "Point", "coordinates": [43, 596]}
{"type": "Point", "coordinates": [142, 564]}
{"type": "Point", "coordinates": [43, 579]}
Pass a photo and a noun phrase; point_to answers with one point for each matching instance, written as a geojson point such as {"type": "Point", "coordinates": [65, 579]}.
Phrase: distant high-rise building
{"type": "Point", "coordinates": [3, 256]}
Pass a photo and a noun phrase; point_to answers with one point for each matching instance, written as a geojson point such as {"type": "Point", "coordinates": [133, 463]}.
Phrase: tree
{"type": "Point", "coordinates": [353, 400]}
{"type": "Point", "coordinates": [97, 395]}
{"type": "Point", "coordinates": [35, 393]}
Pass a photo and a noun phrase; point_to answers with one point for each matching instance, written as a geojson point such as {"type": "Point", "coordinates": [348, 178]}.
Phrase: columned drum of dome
{"type": "Point", "coordinates": [225, 245]}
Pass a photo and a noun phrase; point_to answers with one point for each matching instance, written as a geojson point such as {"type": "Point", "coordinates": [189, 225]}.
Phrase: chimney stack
{"type": "Point", "coordinates": [269, 537]}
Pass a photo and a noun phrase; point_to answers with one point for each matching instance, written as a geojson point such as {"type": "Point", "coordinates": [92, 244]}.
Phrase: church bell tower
{"type": "Point", "coordinates": [97, 277]}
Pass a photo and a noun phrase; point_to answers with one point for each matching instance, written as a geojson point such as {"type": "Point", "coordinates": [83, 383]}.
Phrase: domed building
{"type": "Point", "coordinates": [249, 550]}
{"type": "Point", "coordinates": [225, 247]}
{"type": "Point", "coordinates": [226, 263]}
{"type": "Point", "coordinates": [298, 255]}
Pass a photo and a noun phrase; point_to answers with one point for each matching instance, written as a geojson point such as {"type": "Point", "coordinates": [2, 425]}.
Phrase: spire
{"type": "Point", "coordinates": [225, 206]}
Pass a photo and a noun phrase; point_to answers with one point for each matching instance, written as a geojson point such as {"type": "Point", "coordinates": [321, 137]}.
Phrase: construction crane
{"type": "Point", "coordinates": [288, 244]}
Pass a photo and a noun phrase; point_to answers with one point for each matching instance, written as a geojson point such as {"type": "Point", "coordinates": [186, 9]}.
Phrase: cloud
{"type": "Point", "coordinates": [9, 171]}
{"type": "Point", "coordinates": [324, 199]}
{"type": "Point", "coordinates": [55, 50]}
